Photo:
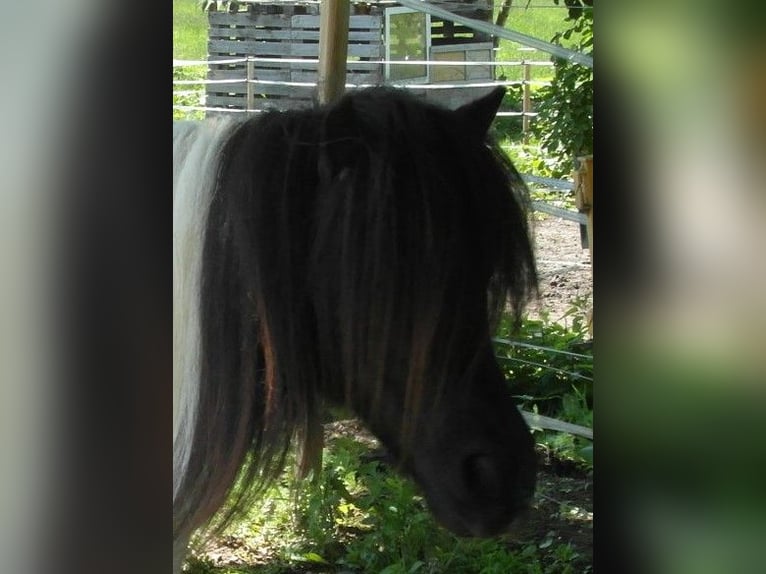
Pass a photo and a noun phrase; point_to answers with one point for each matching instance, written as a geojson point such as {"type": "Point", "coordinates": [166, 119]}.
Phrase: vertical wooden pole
{"type": "Point", "coordinates": [333, 49]}
{"type": "Point", "coordinates": [586, 182]}
{"type": "Point", "coordinates": [526, 102]}
{"type": "Point", "coordinates": [584, 202]}
{"type": "Point", "coordinates": [250, 104]}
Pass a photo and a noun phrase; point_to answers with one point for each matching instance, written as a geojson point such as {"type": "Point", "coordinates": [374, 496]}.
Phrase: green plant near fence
{"type": "Point", "coordinates": [359, 516]}
{"type": "Point", "coordinates": [564, 126]}
{"type": "Point", "coordinates": [193, 97]}
{"type": "Point", "coordinates": [550, 368]}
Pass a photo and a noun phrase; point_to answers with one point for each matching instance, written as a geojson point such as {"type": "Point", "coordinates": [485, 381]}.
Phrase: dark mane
{"type": "Point", "coordinates": [344, 251]}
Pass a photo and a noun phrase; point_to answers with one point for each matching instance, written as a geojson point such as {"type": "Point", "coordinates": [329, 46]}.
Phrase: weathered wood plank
{"type": "Point", "coordinates": [255, 48]}
{"type": "Point", "coordinates": [220, 19]}
{"type": "Point", "coordinates": [283, 90]}
{"type": "Point", "coordinates": [251, 48]}
{"type": "Point", "coordinates": [351, 77]}
{"type": "Point", "coordinates": [272, 75]}
{"type": "Point", "coordinates": [225, 19]}
{"type": "Point", "coordinates": [238, 89]}
{"type": "Point", "coordinates": [260, 90]}
{"type": "Point", "coordinates": [354, 22]}
{"type": "Point", "coordinates": [365, 50]}
{"type": "Point", "coordinates": [218, 100]}
{"type": "Point", "coordinates": [287, 34]}
{"type": "Point", "coordinates": [259, 101]}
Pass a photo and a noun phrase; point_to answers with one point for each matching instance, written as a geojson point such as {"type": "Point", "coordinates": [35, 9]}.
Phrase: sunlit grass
{"type": "Point", "coordinates": [539, 22]}
{"type": "Point", "coordinates": [189, 31]}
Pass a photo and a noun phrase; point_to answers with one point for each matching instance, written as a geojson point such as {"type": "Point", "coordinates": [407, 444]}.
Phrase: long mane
{"type": "Point", "coordinates": [321, 250]}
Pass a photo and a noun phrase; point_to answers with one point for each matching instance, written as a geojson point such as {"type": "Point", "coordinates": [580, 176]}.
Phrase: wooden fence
{"type": "Point", "coordinates": [283, 40]}
{"type": "Point", "coordinates": [285, 82]}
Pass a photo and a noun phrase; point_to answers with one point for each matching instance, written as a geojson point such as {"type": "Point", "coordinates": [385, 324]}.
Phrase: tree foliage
{"type": "Point", "coordinates": [564, 125]}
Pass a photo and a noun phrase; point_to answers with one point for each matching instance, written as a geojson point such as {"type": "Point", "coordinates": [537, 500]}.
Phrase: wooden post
{"type": "Point", "coordinates": [584, 195]}
{"type": "Point", "coordinates": [249, 103]}
{"type": "Point", "coordinates": [526, 102]}
{"type": "Point", "coordinates": [333, 49]}
{"type": "Point", "coordinates": [331, 82]}
{"type": "Point", "coordinates": [584, 201]}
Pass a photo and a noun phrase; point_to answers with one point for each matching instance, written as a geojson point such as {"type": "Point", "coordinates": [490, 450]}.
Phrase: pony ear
{"type": "Point", "coordinates": [479, 113]}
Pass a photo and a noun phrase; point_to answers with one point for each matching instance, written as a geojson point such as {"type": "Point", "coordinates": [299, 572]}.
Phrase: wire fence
{"type": "Point", "coordinates": [189, 100]}
{"type": "Point", "coordinates": [183, 97]}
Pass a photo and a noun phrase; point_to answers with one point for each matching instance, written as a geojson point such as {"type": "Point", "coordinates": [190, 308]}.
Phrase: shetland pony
{"type": "Point", "coordinates": [356, 254]}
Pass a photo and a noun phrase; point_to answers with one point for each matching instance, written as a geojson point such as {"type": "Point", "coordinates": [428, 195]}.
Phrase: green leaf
{"type": "Point", "coordinates": [315, 558]}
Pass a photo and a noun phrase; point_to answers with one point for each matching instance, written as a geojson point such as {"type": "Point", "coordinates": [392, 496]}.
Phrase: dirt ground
{"type": "Point", "coordinates": [563, 508]}
{"type": "Point", "coordinates": [564, 268]}
{"type": "Point", "coordinates": [562, 512]}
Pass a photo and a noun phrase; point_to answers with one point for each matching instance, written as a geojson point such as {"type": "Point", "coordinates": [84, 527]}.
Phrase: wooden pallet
{"type": "Point", "coordinates": [282, 36]}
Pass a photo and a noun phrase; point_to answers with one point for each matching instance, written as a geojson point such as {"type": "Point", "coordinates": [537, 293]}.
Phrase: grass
{"type": "Point", "coordinates": [538, 22]}
{"type": "Point", "coordinates": [189, 31]}
{"type": "Point", "coordinates": [360, 518]}
{"type": "Point", "coordinates": [189, 43]}
{"type": "Point", "coordinates": [357, 516]}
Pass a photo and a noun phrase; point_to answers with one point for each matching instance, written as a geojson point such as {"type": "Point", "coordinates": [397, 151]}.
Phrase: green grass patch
{"type": "Point", "coordinates": [189, 43]}
{"type": "Point", "coordinates": [539, 22]}
{"type": "Point", "coordinates": [358, 516]}
{"type": "Point", "coordinates": [189, 31]}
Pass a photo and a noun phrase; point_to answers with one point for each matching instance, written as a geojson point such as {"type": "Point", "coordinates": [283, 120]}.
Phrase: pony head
{"type": "Point", "coordinates": [359, 254]}
{"type": "Point", "coordinates": [423, 238]}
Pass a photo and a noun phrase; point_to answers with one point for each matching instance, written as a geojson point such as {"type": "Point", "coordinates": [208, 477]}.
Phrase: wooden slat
{"type": "Point", "coordinates": [251, 48]}
{"type": "Point", "coordinates": [354, 50]}
{"type": "Point", "coordinates": [288, 34]}
{"type": "Point", "coordinates": [351, 77]}
{"type": "Point", "coordinates": [354, 22]}
{"type": "Point", "coordinates": [254, 48]}
{"type": "Point", "coordinates": [283, 35]}
{"type": "Point", "coordinates": [240, 90]}
{"type": "Point", "coordinates": [273, 75]}
{"type": "Point", "coordinates": [282, 90]}
{"type": "Point", "coordinates": [360, 65]}
{"type": "Point", "coordinates": [365, 50]}
{"type": "Point", "coordinates": [239, 102]}
{"type": "Point", "coordinates": [215, 60]}
{"type": "Point", "coordinates": [252, 34]}
{"type": "Point", "coordinates": [216, 100]}
{"type": "Point", "coordinates": [242, 19]}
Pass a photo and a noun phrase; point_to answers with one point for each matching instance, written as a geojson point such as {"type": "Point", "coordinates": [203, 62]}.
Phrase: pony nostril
{"type": "Point", "coordinates": [481, 475]}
